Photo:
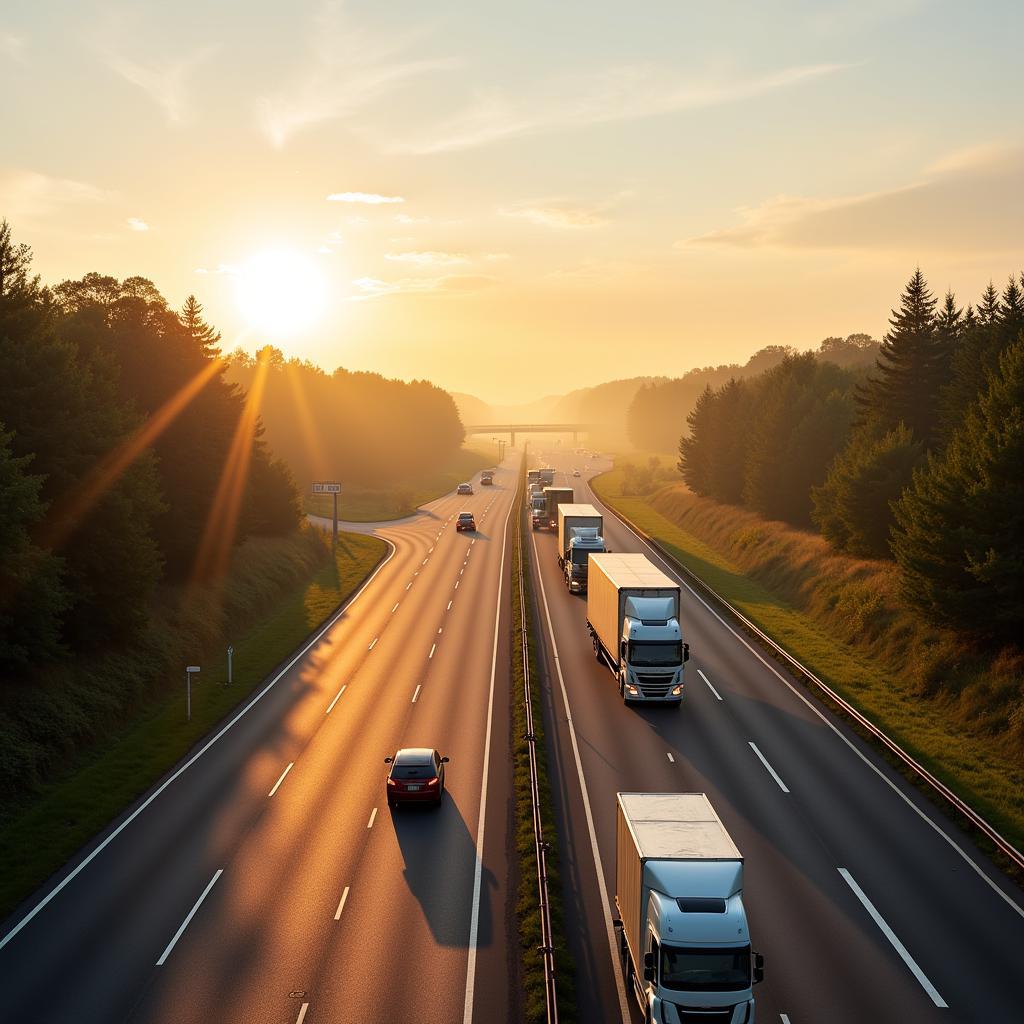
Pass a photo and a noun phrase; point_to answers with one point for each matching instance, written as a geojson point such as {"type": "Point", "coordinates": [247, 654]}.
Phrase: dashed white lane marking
{"type": "Point", "coordinates": [280, 780]}
{"type": "Point", "coordinates": [424, 562]}
{"type": "Point", "coordinates": [708, 681]}
{"type": "Point", "coordinates": [472, 542]}
{"type": "Point", "coordinates": [461, 571]}
{"type": "Point", "coordinates": [417, 693]}
{"type": "Point", "coordinates": [449, 608]}
{"type": "Point", "coordinates": [784, 1018]}
{"type": "Point", "coordinates": [431, 551]}
{"type": "Point", "coordinates": [341, 905]}
{"type": "Point", "coordinates": [408, 585]}
{"type": "Point", "coordinates": [373, 643]}
{"type": "Point", "coordinates": [395, 609]}
{"type": "Point", "coordinates": [457, 584]}
{"type": "Point", "coordinates": [337, 697]}
{"type": "Point", "coordinates": [373, 815]}
{"type": "Point", "coordinates": [891, 936]}
{"type": "Point", "coordinates": [771, 771]}
{"type": "Point", "coordinates": [192, 913]}
{"type": "Point", "coordinates": [433, 647]}
{"type": "Point", "coordinates": [439, 628]}
{"type": "Point", "coordinates": [302, 1013]}
{"type": "Point", "coordinates": [672, 760]}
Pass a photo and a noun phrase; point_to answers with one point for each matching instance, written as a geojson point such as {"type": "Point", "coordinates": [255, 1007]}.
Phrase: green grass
{"type": "Point", "coordinates": [366, 505]}
{"type": "Point", "coordinates": [958, 711]}
{"type": "Point", "coordinates": [527, 901]}
{"type": "Point", "coordinates": [56, 820]}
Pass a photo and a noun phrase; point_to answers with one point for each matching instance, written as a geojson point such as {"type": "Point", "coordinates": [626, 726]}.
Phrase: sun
{"type": "Point", "coordinates": [281, 291]}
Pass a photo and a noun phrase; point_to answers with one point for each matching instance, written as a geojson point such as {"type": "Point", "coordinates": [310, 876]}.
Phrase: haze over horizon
{"type": "Point", "coordinates": [481, 202]}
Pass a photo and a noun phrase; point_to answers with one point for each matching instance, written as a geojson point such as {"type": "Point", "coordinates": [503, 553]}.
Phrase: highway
{"type": "Point", "coordinates": [265, 879]}
{"type": "Point", "coordinates": [868, 903]}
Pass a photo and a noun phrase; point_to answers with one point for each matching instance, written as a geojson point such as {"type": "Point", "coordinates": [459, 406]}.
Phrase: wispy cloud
{"type": "Point", "coordinates": [13, 45]}
{"type": "Point", "coordinates": [560, 213]}
{"type": "Point", "coordinates": [429, 258]}
{"type": "Point", "coordinates": [137, 224]}
{"type": "Point", "coordinates": [28, 196]}
{"type": "Point", "coordinates": [366, 198]}
{"type": "Point", "coordinates": [373, 287]}
{"type": "Point", "coordinates": [346, 69]}
{"type": "Point", "coordinates": [166, 82]}
{"type": "Point", "coordinates": [623, 93]}
{"type": "Point", "coordinates": [967, 201]}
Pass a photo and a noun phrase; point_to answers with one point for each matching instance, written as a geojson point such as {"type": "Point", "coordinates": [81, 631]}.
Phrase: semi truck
{"type": "Point", "coordinates": [532, 477]}
{"type": "Point", "coordinates": [553, 497]}
{"type": "Point", "coordinates": [683, 931]}
{"type": "Point", "coordinates": [633, 618]}
{"type": "Point", "coordinates": [579, 537]}
{"type": "Point", "coordinates": [547, 477]}
{"type": "Point", "coordinates": [538, 510]}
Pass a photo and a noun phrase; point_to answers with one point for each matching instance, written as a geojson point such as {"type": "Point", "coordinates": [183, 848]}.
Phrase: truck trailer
{"type": "Point", "coordinates": [579, 537]}
{"type": "Point", "coordinates": [547, 477]}
{"type": "Point", "coordinates": [633, 618]}
{"type": "Point", "coordinates": [684, 937]}
{"type": "Point", "coordinates": [553, 497]}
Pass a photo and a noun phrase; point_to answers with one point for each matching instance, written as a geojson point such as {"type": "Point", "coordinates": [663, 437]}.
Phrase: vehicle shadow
{"type": "Point", "coordinates": [439, 854]}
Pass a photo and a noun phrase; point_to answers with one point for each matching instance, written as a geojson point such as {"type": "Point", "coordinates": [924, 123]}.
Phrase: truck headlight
{"type": "Point", "coordinates": [632, 690]}
{"type": "Point", "coordinates": [677, 690]}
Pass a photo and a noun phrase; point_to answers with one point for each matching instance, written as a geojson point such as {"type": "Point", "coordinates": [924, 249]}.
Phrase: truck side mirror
{"type": "Point", "coordinates": [648, 967]}
{"type": "Point", "coordinates": [758, 968]}
{"type": "Point", "coordinates": [686, 653]}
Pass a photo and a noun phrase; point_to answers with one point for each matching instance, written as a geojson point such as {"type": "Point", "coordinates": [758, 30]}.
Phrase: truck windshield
{"type": "Point", "coordinates": [710, 970]}
{"type": "Point", "coordinates": [579, 557]}
{"type": "Point", "coordinates": [655, 652]}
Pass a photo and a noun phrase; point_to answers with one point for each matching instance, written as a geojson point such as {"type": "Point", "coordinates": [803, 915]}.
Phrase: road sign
{"type": "Point", "coordinates": [326, 488]}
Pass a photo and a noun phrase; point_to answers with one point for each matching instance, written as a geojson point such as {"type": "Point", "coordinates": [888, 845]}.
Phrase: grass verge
{"type": "Point", "coordinates": [49, 825]}
{"type": "Point", "coordinates": [527, 901]}
{"type": "Point", "coordinates": [951, 708]}
{"type": "Point", "coordinates": [368, 505]}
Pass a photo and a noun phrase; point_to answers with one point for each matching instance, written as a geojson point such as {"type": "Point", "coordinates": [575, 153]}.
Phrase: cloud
{"type": "Point", "coordinates": [346, 69]}
{"type": "Point", "coordinates": [373, 287]}
{"type": "Point", "coordinates": [13, 45]}
{"type": "Point", "coordinates": [429, 258]}
{"type": "Point", "coordinates": [367, 198]}
{"type": "Point", "coordinates": [559, 213]}
{"type": "Point", "coordinates": [618, 94]}
{"type": "Point", "coordinates": [164, 82]}
{"type": "Point", "coordinates": [969, 200]}
{"type": "Point", "coordinates": [136, 224]}
{"type": "Point", "coordinates": [28, 196]}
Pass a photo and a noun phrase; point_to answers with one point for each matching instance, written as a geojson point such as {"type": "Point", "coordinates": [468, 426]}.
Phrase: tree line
{"type": "Point", "coordinates": [360, 429]}
{"type": "Point", "coordinates": [919, 458]}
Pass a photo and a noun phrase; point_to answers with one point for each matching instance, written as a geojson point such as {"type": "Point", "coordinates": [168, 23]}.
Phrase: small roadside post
{"type": "Point", "coordinates": [190, 671]}
{"type": "Point", "coordinates": [231, 651]}
{"type": "Point", "coordinates": [334, 489]}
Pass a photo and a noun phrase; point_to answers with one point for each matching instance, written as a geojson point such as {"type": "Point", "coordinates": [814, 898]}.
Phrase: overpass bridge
{"type": "Point", "coordinates": [530, 428]}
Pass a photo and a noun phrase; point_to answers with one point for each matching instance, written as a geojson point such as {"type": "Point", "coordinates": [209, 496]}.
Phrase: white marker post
{"type": "Point", "coordinates": [231, 651]}
{"type": "Point", "coordinates": [189, 672]}
{"type": "Point", "coordinates": [334, 489]}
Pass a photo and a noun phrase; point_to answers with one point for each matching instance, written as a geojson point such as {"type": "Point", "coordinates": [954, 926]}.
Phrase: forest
{"type": "Point", "coordinates": [917, 459]}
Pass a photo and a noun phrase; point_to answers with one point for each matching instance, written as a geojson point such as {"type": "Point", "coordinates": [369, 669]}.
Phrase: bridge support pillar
{"type": "Point", "coordinates": [512, 434]}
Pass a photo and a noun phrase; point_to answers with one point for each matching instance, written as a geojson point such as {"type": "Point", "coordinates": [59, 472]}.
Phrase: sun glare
{"type": "Point", "coordinates": [281, 291]}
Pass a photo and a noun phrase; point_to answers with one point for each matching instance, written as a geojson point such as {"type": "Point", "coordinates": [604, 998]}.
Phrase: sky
{"type": "Point", "coordinates": [514, 200]}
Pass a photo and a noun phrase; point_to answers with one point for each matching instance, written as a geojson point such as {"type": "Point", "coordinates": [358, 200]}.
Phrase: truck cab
{"type": "Point", "coordinates": [651, 650]}
{"type": "Point", "coordinates": [584, 542]}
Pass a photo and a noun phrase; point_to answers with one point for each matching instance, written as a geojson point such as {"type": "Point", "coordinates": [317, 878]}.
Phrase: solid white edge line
{"type": "Point", "coordinates": [312, 642]}
{"type": "Point", "coordinates": [281, 779]}
{"type": "Point", "coordinates": [341, 905]}
{"type": "Point", "coordinates": [474, 920]}
{"type": "Point", "coordinates": [337, 697]}
{"type": "Point", "coordinates": [708, 681]}
{"type": "Point", "coordinates": [188, 917]}
{"type": "Point", "coordinates": [808, 703]}
{"type": "Point", "coordinates": [784, 1018]}
{"type": "Point", "coordinates": [771, 771]}
{"type": "Point", "coordinates": [922, 978]}
{"type": "Point", "coordinates": [419, 686]}
{"type": "Point", "coordinates": [602, 888]}
{"type": "Point", "coordinates": [302, 1013]}
{"type": "Point", "coordinates": [373, 815]}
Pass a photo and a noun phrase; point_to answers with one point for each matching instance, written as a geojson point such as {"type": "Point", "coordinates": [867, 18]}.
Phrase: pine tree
{"type": "Point", "coordinates": [959, 538]}
{"type": "Point", "coordinates": [987, 311]}
{"type": "Point", "coordinates": [202, 334]}
{"type": "Point", "coordinates": [15, 263]}
{"type": "Point", "coordinates": [694, 454]}
{"type": "Point", "coordinates": [909, 370]}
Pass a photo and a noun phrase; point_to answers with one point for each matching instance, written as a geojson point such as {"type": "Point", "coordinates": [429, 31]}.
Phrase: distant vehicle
{"type": "Point", "coordinates": [684, 938]}
{"type": "Point", "coordinates": [487, 478]}
{"type": "Point", "coordinates": [575, 472]}
{"type": "Point", "coordinates": [465, 522]}
{"type": "Point", "coordinates": [547, 477]}
{"type": "Point", "coordinates": [633, 618]}
{"type": "Point", "coordinates": [579, 537]}
{"type": "Point", "coordinates": [539, 515]}
{"type": "Point", "coordinates": [533, 476]}
{"type": "Point", "coordinates": [416, 776]}
{"type": "Point", "coordinates": [466, 488]}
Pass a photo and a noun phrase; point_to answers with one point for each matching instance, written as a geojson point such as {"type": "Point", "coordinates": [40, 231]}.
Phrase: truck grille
{"type": "Point", "coordinates": [654, 686]}
{"type": "Point", "coordinates": [695, 1015]}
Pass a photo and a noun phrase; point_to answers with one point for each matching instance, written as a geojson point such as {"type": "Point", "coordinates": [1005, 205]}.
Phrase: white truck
{"type": "Point", "coordinates": [684, 938]}
{"type": "Point", "coordinates": [633, 618]}
{"type": "Point", "coordinates": [579, 537]}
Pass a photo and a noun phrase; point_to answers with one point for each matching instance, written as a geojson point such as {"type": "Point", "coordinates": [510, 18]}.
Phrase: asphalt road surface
{"type": "Point", "coordinates": [266, 878]}
{"type": "Point", "coordinates": [868, 903]}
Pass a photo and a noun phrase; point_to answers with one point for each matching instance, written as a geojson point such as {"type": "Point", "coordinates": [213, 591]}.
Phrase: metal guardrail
{"type": "Point", "coordinates": [989, 830]}
{"type": "Point", "coordinates": [547, 947]}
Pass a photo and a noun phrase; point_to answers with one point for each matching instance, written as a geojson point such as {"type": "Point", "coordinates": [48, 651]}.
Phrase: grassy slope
{"type": "Point", "coordinates": [37, 839]}
{"type": "Point", "coordinates": [954, 710]}
{"type": "Point", "coordinates": [368, 506]}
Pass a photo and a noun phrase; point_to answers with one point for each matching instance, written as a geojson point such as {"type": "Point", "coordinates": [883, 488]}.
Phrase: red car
{"type": "Point", "coordinates": [416, 777]}
{"type": "Point", "coordinates": [465, 522]}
